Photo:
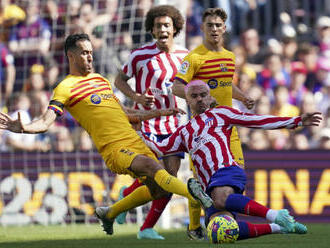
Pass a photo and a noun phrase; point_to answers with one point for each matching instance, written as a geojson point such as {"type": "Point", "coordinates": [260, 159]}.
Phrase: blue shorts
{"type": "Point", "coordinates": [159, 138]}
{"type": "Point", "coordinates": [232, 176]}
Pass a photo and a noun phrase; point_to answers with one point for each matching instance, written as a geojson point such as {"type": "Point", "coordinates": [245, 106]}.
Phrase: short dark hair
{"type": "Point", "coordinates": [215, 12]}
{"type": "Point", "coordinates": [70, 41]}
{"type": "Point", "coordinates": [164, 10]}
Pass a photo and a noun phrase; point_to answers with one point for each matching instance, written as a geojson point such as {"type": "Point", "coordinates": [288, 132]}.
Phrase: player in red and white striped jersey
{"type": "Point", "coordinates": [207, 139]}
{"type": "Point", "coordinates": [153, 66]}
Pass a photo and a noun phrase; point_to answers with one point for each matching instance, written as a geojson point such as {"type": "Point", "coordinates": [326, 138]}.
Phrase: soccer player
{"type": "Point", "coordinates": [214, 65]}
{"type": "Point", "coordinates": [153, 66]}
{"type": "Point", "coordinates": [207, 139]}
{"type": "Point", "coordinates": [90, 100]}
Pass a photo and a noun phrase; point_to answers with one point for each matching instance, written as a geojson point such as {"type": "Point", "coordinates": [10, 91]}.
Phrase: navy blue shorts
{"type": "Point", "coordinates": [232, 176]}
{"type": "Point", "coordinates": [159, 138]}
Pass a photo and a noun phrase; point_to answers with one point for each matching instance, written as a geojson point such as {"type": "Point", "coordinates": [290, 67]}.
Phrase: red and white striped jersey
{"type": "Point", "coordinates": [206, 138]}
{"type": "Point", "coordinates": [156, 69]}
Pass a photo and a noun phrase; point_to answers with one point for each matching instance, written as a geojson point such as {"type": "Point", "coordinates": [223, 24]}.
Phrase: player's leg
{"type": "Point", "coordinates": [172, 165]}
{"type": "Point", "coordinates": [124, 191]}
{"type": "Point", "coordinates": [194, 229]}
{"type": "Point", "coordinates": [145, 166]}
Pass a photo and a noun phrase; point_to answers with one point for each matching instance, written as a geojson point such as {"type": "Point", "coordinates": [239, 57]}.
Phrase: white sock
{"type": "Point", "coordinates": [271, 215]}
{"type": "Point", "coordinates": [275, 228]}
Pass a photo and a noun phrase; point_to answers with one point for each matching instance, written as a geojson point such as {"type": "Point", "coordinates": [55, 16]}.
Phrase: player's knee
{"type": "Point", "coordinates": [221, 197]}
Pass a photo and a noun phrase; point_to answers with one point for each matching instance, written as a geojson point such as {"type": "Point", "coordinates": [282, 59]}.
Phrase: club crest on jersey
{"type": "Point", "coordinates": [96, 99]}
{"type": "Point", "coordinates": [209, 121]}
{"type": "Point", "coordinates": [212, 83]}
{"type": "Point", "coordinates": [184, 67]}
{"type": "Point", "coordinates": [223, 68]}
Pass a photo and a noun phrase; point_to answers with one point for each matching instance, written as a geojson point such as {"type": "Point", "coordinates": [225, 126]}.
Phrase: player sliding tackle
{"type": "Point", "coordinates": [207, 139]}
{"type": "Point", "coordinates": [89, 98]}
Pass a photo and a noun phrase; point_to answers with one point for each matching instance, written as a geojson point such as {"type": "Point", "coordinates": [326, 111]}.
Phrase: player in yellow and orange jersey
{"type": "Point", "coordinates": [89, 98]}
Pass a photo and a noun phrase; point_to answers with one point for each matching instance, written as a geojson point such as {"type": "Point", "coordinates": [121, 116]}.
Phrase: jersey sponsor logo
{"type": "Point", "coordinates": [224, 84]}
{"type": "Point", "coordinates": [223, 68]}
{"type": "Point", "coordinates": [127, 151]}
{"type": "Point", "coordinates": [212, 83]}
{"type": "Point", "coordinates": [209, 121]}
{"type": "Point", "coordinates": [106, 96]}
{"type": "Point", "coordinates": [96, 99]}
{"type": "Point", "coordinates": [184, 67]}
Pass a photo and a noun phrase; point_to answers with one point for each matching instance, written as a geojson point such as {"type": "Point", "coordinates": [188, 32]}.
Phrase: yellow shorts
{"type": "Point", "coordinates": [235, 147]}
{"type": "Point", "coordinates": [119, 158]}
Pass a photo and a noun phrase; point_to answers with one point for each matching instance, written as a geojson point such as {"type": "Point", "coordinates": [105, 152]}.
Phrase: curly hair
{"type": "Point", "coordinates": [215, 12]}
{"type": "Point", "coordinates": [164, 10]}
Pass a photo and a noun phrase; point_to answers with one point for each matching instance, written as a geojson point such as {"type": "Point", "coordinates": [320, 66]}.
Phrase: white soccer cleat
{"type": "Point", "coordinates": [195, 189]}
{"type": "Point", "coordinates": [101, 214]}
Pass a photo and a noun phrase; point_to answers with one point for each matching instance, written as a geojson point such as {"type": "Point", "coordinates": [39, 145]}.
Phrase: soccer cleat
{"type": "Point", "coordinates": [101, 214]}
{"type": "Point", "coordinates": [149, 233]}
{"type": "Point", "coordinates": [197, 234]}
{"type": "Point", "coordinates": [285, 220]}
{"type": "Point", "coordinates": [121, 218]}
{"type": "Point", "coordinates": [298, 229]}
{"type": "Point", "coordinates": [195, 189]}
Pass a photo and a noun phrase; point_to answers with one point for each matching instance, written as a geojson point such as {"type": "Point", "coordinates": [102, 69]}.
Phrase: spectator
{"type": "Point", "coordinates": [308, 55]}
{"type": "Point", "coordinates": [63, 141]}
{"type": "Point", "coordinates": [29, 42]}
{"type": "Point", "coordinates": [299, 142]}
{"type": "Point", "coordinates": [281, 105]}
{"type": "Point", "coordinates": [7, 73]}
{"type": "Point", "coordinates": [21, 142]}
{"type": "Point", "coordinates": [324, 96]}
{"type": "Point", "coordinates": [273, 74]}
{"type": "Point", "coordinates": [263, 106]}
{"type": "Point", "coordinates": [36, 81]}
{"type": "Point", "coordinates": [323, 33]}
{"type": "Point", "coordinates": [258, 140]}
{"type": "Point", "coordinates": [255, 52]}
{"type": "Point", "coordinates": [322, 73]}
{"type": "Point", "coordinates": [194, 36]}
{"type": "Point", "coordinates": [297, 89]}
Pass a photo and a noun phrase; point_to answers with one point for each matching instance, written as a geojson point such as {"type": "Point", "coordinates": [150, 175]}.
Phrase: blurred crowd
{"type": "Point", "coordinates": [282, 53]}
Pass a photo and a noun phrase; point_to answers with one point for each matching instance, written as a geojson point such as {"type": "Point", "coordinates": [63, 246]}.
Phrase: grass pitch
{"type": "Point", "coordinates": [86, 236]}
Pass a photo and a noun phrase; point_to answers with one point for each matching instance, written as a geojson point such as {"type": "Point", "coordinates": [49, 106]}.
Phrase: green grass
{"type": "Point", "coordinates": [83, 236]}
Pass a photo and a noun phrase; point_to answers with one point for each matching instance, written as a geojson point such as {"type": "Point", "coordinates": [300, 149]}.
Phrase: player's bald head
{"type": "Point", "coordinates": [195, 83]}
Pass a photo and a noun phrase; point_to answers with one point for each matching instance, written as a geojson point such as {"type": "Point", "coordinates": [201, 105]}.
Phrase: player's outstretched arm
{"type": "Point", "coordinates": [135, 115]}
{"type": "Point", "coordinates": [311, 119]}
{"type": "Point", "coordinates": [38, 126]}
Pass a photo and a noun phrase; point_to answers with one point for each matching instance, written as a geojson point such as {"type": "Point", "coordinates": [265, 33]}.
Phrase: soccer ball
{"type": "Point", "coordinates": [222, 229]}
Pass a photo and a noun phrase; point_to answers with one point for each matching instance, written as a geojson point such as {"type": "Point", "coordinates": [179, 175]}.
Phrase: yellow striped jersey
{"type": "Point", "coordinates": [91, 101]}
{"type": "Point", "coordinates": [214, 68]}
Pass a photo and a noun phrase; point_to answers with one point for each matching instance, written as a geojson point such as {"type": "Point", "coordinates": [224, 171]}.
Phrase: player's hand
{"type": "Point", "coordinates": [249, 103]}
{"type": "Point", "coordinates": [146, 99]}
{"type": "Point", "coordinates": [311, 119]}
{"type": "Point", "coordinates": [171, 111]}
{"type": "Point", "coordinates": [8, 123]}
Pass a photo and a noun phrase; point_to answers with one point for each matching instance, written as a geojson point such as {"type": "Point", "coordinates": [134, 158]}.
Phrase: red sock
{"type": "Point", "coordinates": [132, 187]}
{"type": "Point", "coordinates": [249, 230]}
{"type": "Point", "coordinates": [256, 230]}
{"type": "Point", "coordinates": [156, 210]}
{"type": "Point", "coordinates": [255, 209]}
